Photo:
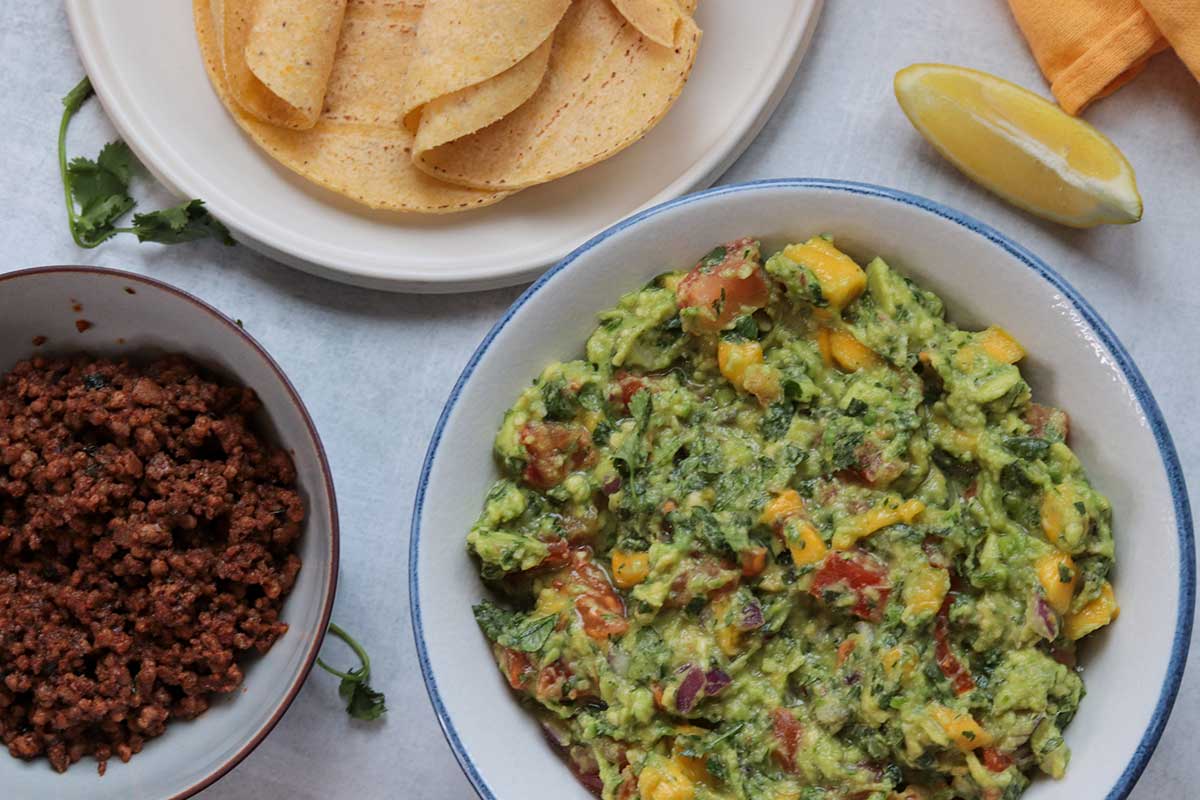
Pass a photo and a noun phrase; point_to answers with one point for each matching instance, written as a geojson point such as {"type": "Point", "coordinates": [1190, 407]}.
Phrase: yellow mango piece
{"type": "Point", "coordinates": [805, 544]}
{"type": "Point", "coordinates": [665, 780]}
{"type": "Point", "coordinates": [924, 592]}
{"type": "Point", "coordinates": [840, 278]}
{"type": "Point", "coordinates": [630, 568]}
{"type": "Point", "coordinates": [1093, 616]}
{"type": "Point", "coordinates": [787, 503]}
{"type": "Point", "coordinates": [729, 639]}
{"type": "Point", "coordinates": [762, 381]}
{"type": "Point", "coordinates": [963, 730]}
{"type": "Point", "coordinates": [850, 530]}
{"type": "Point", "coordinates": [849, 353]}
{"type": "Point", "coordinates": [734, 357]}
{"type": "Point", "coordinates": [1000, 345]}
{"type": "Point", "coordinates": [1051, 569]}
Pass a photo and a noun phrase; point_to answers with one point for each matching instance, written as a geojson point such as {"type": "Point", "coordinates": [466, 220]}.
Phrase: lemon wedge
{"type": "Point", "coordinates": [1019, 145]}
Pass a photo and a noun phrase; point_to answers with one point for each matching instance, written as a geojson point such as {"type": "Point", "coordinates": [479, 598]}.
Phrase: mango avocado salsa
{"type": "Point", "coordinates": [786, 533]}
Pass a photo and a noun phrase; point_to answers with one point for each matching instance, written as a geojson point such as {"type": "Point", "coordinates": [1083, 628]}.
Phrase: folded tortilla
{"type": "Point", "coordinates": [606, 86]}
{"type": "Point", "coordinates": [277, 55]}
{"type": "Point", "coordinates": [358, 145]}
{"type": "Point", "coordinates": [475, 62]}
{"type": "Point", "coordinates": [657, 20]}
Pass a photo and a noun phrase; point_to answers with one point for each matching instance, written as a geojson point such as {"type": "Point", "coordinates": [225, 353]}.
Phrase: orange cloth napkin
{"type": "Point", "coordinates": [1088, 49]}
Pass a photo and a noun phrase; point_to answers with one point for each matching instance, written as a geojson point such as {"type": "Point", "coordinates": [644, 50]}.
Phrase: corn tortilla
{"type": "Point", "coordinates": [277, 54]}
{"type": "Point", "coordinates": [358, 146]}
{"type": "Point", "coordinates": [291, 48]}
{"type": "Point", "coordinates": [658, 20]}
{"type": "Point", "coordinates": [605, 87]}
{"type": "Point", "coordinates": [462, 43]}
{"type": "Point", "coordinates": [471, 109]}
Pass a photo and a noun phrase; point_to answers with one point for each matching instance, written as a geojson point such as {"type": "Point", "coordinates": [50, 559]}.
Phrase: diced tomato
{"type": "Point", "coordinates": [788, 733]}
{"type": "Point", "coordinates": [516, 667]}
{"type": "Point", "coordinates": [753, 561]}
{"type": "Point", "coordinates": [954, 670]}
{"type": "Point", "coordinates": [724, 286]}
{"type": "Point", "coordinates": [551, 680]}
{"type": "Point", "coordinates": [859, 573]}
{"type": "Point", "coordinates": [995, 760]}
{"type": "Point", "coordinates": [627, 386]}
{"type": "Point", "coordinates": [599, 606]}
{"type": "Point", "coordinates": [1048, 422]}
{"type": "Point", "coordinates": [628, 790]}
{"type": "Point", "coordinates": [560, 554]}
{"type": "Point", "coordinates": [555, 450]}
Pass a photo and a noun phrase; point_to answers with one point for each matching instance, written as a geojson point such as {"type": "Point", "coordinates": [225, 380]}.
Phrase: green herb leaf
{"type": "Point", "coordinates": [185, 222]}
{"type": "Point", "coordinates": [362, 702]}
{"type": "Point", "coordinates": [1026, 446]}
{"type": "Point", "coordinates": [101, 189]}
{"type": "Point", "coordinates": [512, 629]}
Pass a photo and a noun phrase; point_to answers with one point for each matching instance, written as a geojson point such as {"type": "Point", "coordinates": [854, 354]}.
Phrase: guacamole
{"type": "Point", "coordinates": [786, 533]}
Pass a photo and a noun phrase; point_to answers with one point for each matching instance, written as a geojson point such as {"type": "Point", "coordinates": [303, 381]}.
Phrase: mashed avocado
{"type": "Point", "coordinates": [788, 534]}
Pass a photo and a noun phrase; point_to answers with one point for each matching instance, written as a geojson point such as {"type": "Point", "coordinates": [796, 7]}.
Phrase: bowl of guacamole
{"type": "Point", "coordinates": [794, 510]}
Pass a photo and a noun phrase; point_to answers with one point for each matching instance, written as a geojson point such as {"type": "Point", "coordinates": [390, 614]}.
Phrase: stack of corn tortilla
{"type": "Point", "coordinates": [439, 106]}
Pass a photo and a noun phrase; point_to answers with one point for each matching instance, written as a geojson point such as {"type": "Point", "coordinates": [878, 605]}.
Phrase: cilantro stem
{"type": "Point", "coordinates": [358, 675]}
{"type": "Point", "coordinates": [71, 104]}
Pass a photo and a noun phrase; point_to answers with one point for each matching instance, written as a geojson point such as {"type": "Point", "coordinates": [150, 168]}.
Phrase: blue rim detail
{"type": "Point", "coordinates": [1166, 448]}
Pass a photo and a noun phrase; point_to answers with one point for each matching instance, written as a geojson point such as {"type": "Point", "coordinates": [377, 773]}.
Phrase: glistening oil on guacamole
{"type": "Point", "coordinates": [787, 534]}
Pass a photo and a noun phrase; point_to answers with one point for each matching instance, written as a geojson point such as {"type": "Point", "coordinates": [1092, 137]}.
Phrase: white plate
{"type": "Point", "coordinates": [143, 60]}
{"type": "Point", "coordinates": [1133, 668]}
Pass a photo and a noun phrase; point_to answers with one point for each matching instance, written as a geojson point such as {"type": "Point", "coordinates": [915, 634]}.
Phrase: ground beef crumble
{"type": "Point", "coordinates": [147, 541]}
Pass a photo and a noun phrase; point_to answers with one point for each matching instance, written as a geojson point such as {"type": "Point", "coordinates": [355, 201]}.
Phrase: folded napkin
{"type": "Point", "coordinates": [1088, 49]}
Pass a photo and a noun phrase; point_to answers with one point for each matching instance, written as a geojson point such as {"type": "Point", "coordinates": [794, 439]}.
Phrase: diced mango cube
{"type": "Point", "coordinates": [849, 353]}
{"type": "Point", "coordinates": [1000, 345]}
{"type": "Point", "coordinates": [1093, 616]}
{"type": "Point", "coordinates": [630, 568]}
{"type": "Point", "coordinates": [850, 530]}
{"type": "Point", "coordinates": [729, 640]}
{"type": "Point", "coordinates": [787, 503]}
{"type": "Point", "coordinates": [840, 278]}
{"type": "Point", "coordinates": [805, 543]}
{"type": "Point", "coordinates": [762, 381]}
{"type": "Point", "coordinates": [1057, 574]}
{"type": "Point", "coordinates": [924, 592]}
{"type": "Point", "coordinates": [963, 730]}
{"type": "Point", "coordinates": [665, 780]}
{"type": "Point", "coordinates": [734, 357]}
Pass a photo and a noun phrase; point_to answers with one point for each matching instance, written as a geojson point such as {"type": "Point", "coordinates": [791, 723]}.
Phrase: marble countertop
{"type": "Point", "coordinates": [839, 120]}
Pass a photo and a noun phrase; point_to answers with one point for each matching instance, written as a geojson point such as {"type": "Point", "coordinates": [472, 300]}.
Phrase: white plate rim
{"type": "Point", "coordinates": [1181, 507]}
{"type": "Point", "coordinates": [311, 255]}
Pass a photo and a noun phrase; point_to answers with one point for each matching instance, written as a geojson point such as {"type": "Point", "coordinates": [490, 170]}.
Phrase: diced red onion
{"type": "Point", "coordinates": [715, 681]}
{"type": "Point", "coordinates": [1043, 619]}
{"type": "Point", "coordinates": [612, 485]}
{"type": "Point", "coordinates": [752, 618]}
{"type": "Point", "coordinates": [689, 689]}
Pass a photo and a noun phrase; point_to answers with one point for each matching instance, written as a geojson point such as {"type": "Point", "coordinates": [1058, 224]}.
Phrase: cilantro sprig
{"type": "Point", "coordinates": [100, 189]}
{"type": "Point", "coordinates": [362, 702]}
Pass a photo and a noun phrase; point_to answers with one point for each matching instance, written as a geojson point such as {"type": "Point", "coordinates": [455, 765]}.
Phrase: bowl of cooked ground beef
{"type": "Point", "coordinates": [168, 538]}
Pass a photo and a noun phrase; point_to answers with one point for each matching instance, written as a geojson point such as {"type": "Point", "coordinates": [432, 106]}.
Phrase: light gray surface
{"type": "Point", "coordinates": [375, 368]}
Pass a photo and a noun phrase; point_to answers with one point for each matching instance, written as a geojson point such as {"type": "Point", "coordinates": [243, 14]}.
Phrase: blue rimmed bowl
{"type": "Point", "coordinates": [1133, 670]}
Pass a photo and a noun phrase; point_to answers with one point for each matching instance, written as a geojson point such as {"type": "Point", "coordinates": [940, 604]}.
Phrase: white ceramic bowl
{"type": "Point", "coordinates": [1132, 670]}
{"type": "Point", "coordinates": [130, 314]}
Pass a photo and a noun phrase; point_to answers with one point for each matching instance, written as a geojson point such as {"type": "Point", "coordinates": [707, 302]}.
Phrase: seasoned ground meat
{"type": "Point", "coordinates": [147, 542]}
